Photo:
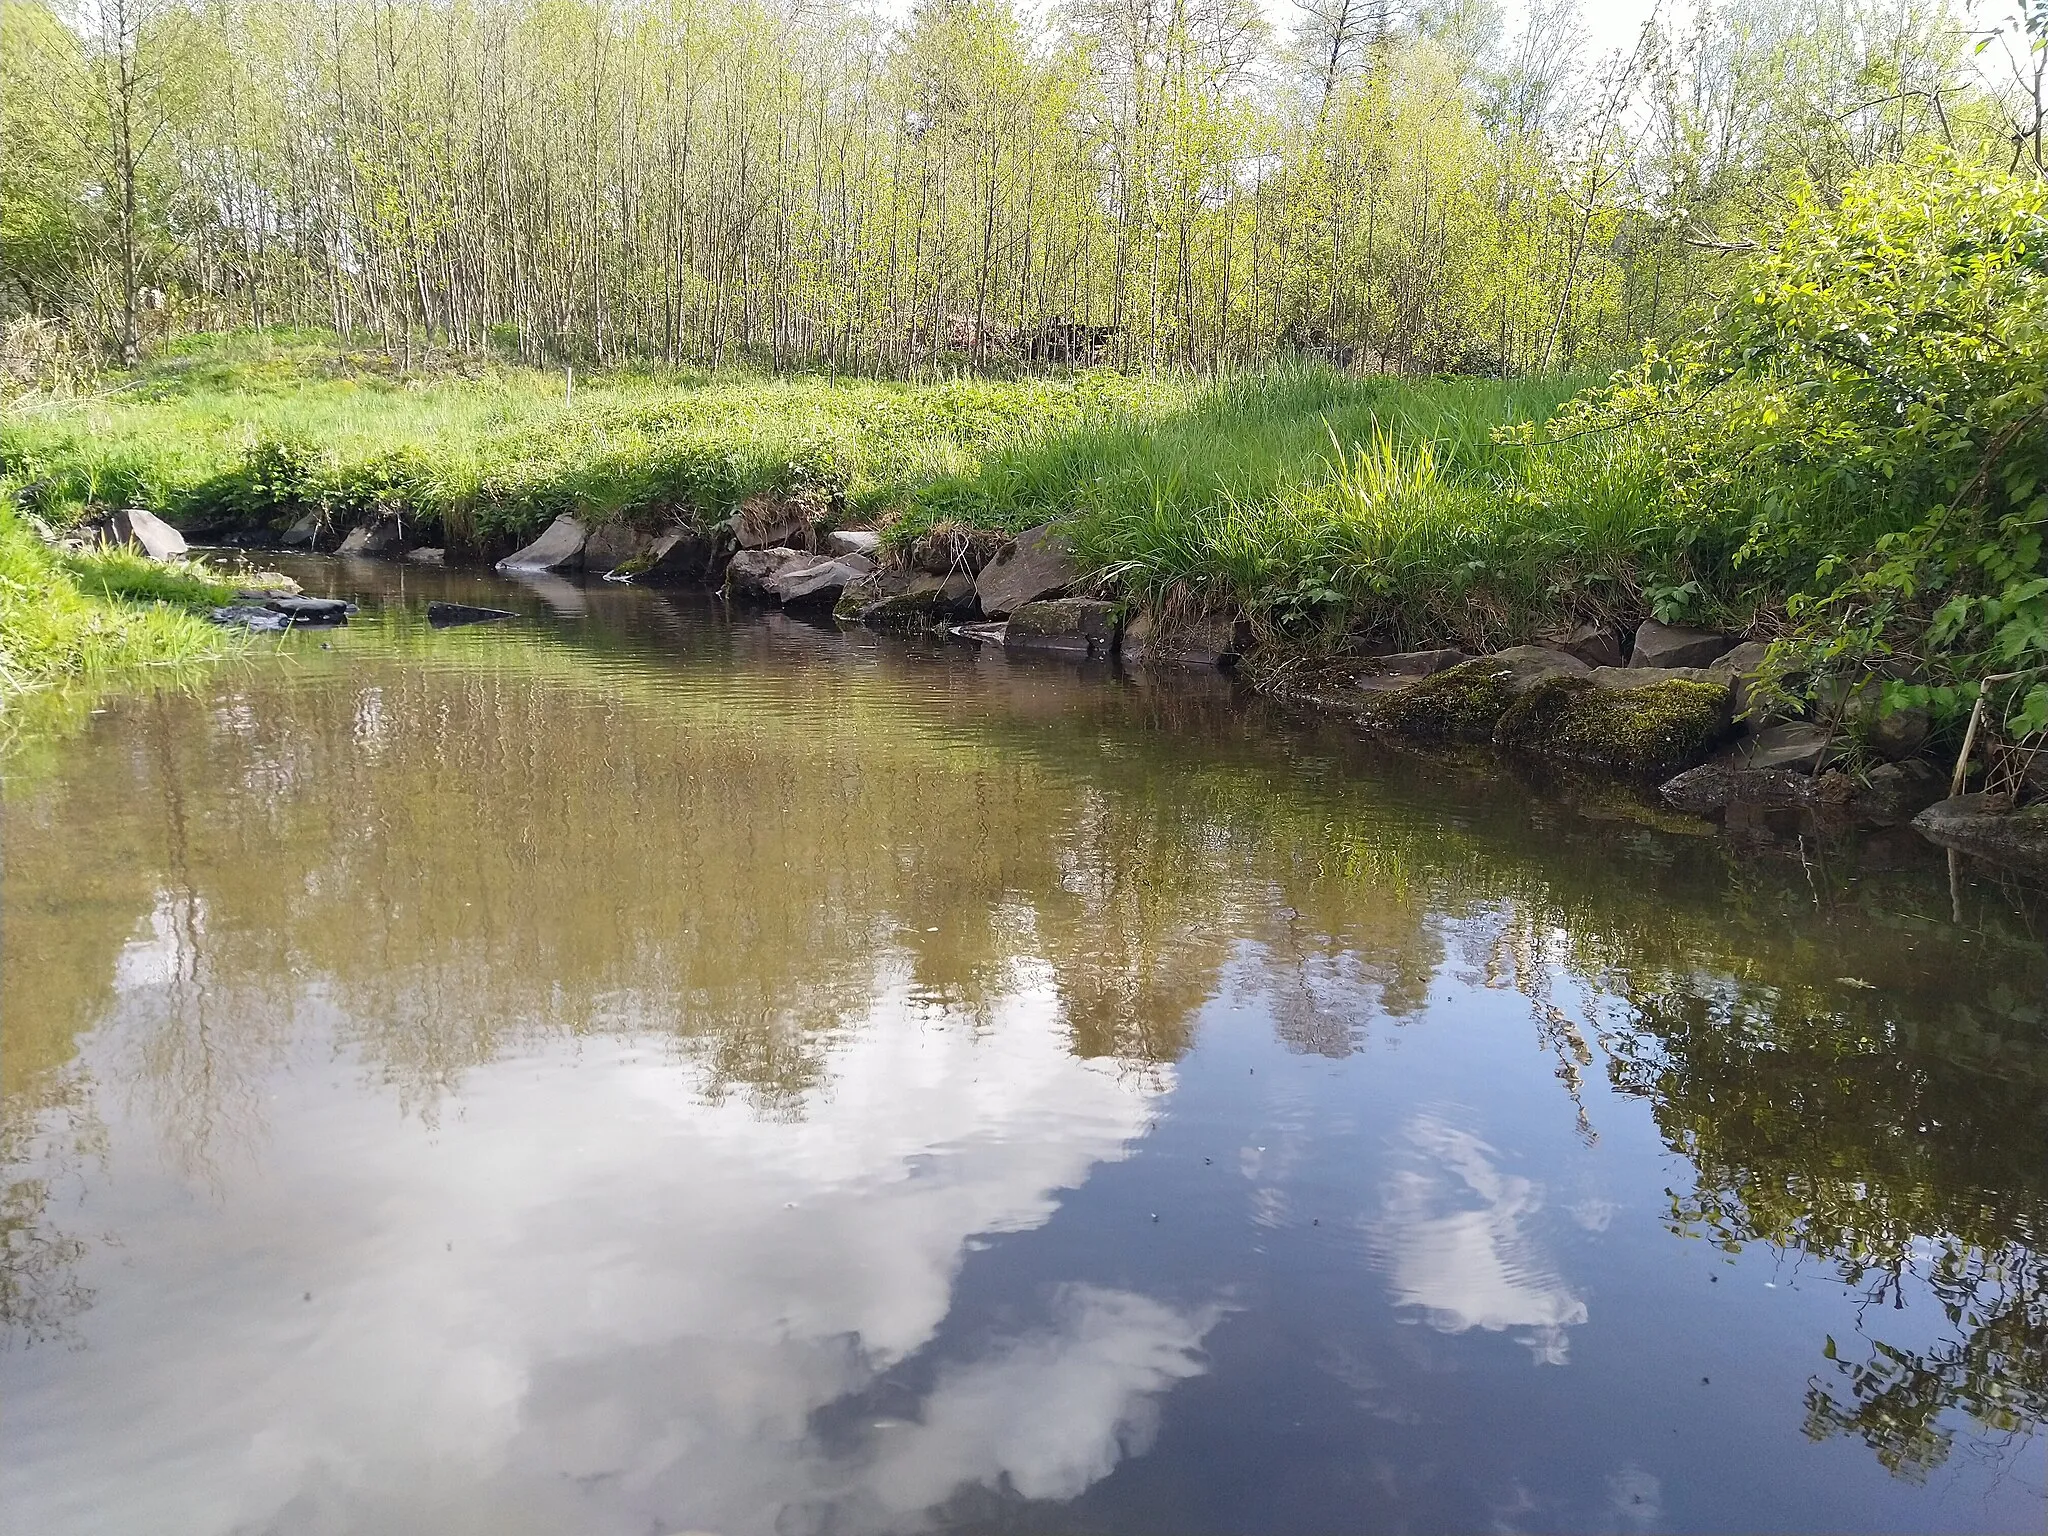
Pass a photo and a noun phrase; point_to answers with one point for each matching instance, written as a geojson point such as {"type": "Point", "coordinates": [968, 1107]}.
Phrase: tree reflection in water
{"type": "Point", "coordinates": [536, 848]}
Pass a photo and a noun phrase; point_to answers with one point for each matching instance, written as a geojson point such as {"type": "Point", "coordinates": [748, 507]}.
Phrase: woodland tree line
{"type": "Point", "coordinates": [1440, 185]}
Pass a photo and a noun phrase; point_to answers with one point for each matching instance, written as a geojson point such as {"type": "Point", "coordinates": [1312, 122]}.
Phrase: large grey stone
{"type": "Point", "coordinates": [1078, 627]}
{"type": "Point", "coordinates": [559, 548]}
{"type": "Point", "coordinates": [427, 556]}
{"type": "Point", "coordinates": [1035, 565]}
{"type": "Point", "coordinates": [1712, 788]}
{"type": "Point", "coordinates": [746, 578]}
{"type": "Point", "coordinates": [1739, 668]}
{"type": "Point", "coordinates": [305, 533]}
{"type": "Point", "coordinates": [1207, 642]}
{"type": "Point", "coordinates": [380, 536]}
{"type": "Point", "coordinates": [147, 532]}
{"type": "Point", "coordinates": [684, 555]}
{"type": "Point", "coordinates": [1663, 645]}
{"type": "Point", "coordinates": [1591, 642]}
{"type": "Point", "coordinates": [612, 545]}
{"type": "Point", "coordinates": [853, 541]}
{"type": "Point", "coordinates": [815, 582]}
{"type": "Point", "coordinates": [1986, 825]}
{"type": "Point", "coordinates": [900, 599]}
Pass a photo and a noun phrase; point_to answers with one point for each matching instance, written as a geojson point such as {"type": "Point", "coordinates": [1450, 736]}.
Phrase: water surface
{"type": "Point", "coordinates": [634, 1070]}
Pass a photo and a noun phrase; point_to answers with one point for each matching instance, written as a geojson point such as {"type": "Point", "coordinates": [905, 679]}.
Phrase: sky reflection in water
{"type": "Point", "coordinates": [639, 1073]}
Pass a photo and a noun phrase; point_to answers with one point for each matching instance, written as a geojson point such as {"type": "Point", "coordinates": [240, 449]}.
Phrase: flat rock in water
{"type": "Point", "coordinates": [906, 600]}
{"type": "Point", "coordinates": [313, 610]}
{"type": "Point", "coordinates": [1035, 565]}
{"type": "Point", "coordinates": [1466, 702]}
{"type": "Point", "coordinates": [447, 615]}
{"type": "Point", "coordinates": [148, 533]}
{"type": "Point", "coordinates": [1986, 825]}
{"type": "Point", "coordinates": [249, 616]}
{"type": "Point", "coordinates": [1078, 627]}
{"type": "Point", "coordinates": [1663, 645]}
{"type": "Point", "coordinates": [427, 556]}
{"type": "Point", "coordinates": [1710, 789]}
{"type": "Point", "coordinates": [746, 578]}
{"type": "Point", "coordinates": [559, 548]}
{"type": "Point", "coordinates": [817, 580]}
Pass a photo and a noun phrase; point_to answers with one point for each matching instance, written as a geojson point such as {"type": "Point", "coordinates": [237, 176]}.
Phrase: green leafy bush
{"type": "Point", "coordinates": [1864, 430]}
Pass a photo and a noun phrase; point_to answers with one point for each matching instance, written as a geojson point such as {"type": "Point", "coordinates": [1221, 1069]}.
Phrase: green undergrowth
{"type": "Point", "coordinates": [77, 616]}
{"type": "Point", "coordinates": [252, 430]}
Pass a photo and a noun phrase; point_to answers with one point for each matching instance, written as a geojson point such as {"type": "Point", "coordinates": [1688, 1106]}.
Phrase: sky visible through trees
{"type": "Point", "coordinates": [1416, 185]}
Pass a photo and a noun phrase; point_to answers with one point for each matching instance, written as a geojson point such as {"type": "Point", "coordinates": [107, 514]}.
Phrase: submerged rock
{"type": "Point", "coordinates": [1986, 825]}
{"type": "Point", "coordinates": [1665, 645]}
{"type": "Point", "coordinates": [1079, 627]}
{"type": "Point", "coordinates": [1033, 566]}
{"type": "Point", "coordinates": [1653, 728]}
{"type": "Point", "coordinates": [1466, 702]}
{"type": "Point", "coordinates": [1710, 789]}
{"type": "Point", "coordinates": [447, 615]}
{"type": "Point", "coordinates": [559, 548]}
{"type": "Point", "coordinates": [427, 556]}
{"type": "Point", "coordinates": [147, 532]}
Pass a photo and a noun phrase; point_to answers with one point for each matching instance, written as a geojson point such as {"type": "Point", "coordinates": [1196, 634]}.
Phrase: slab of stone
{"type": "Point", "coordinates": [1033, 566]}
{"type": "Point", "coordinates": [427, 556]}
{"type": "Point", "coordinates": [448, 615]}
{"type": "Point", "coordinates": [1712, 788]}
{"type": "Point", "coordinates": [312, 610]}
{"type": "Point", "coordinates": [1665, 645]}
{"type": "Point", "coordinates": [853, 541]}
{"type": "Point", "coordinates": [559, 548]}
{"type": "Point", "coordinates": [249, 616]}
{"type": "Point", "coordinates": [1078, 627]}
{"type": "Point", "coordinates": [147, 532]}
{"type": "Point", "coordinates": [816, 583]}
{"type": "Point", "coordinates": [746, 578]}
{"type": "Point", "coordinates": [1593, 643]}
{"type": "Point", "coordinates": [1987, 826]}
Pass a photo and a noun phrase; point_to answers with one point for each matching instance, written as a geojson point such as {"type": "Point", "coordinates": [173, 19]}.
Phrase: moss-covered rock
{"type": "Point", "coordinates": [1465, 703]}
{"type": "Point", "coordinates": [900, 599]}
{"type": "Point", "coordinates": [1656, 728]}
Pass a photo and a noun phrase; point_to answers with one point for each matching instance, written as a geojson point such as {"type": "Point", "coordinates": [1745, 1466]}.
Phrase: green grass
{"type": "Point", "coordinates": [1320, 504]}
{"type": "Point", "coordinates": [68, 617]}
{"type": "Point", "coordinates": [249, 429]}
{"type": "Point", "coordinates": [1323, 505]}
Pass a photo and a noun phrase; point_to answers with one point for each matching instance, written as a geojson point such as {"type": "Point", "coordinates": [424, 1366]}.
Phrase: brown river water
{"type": "Point", "coordinates": [639, 1070]}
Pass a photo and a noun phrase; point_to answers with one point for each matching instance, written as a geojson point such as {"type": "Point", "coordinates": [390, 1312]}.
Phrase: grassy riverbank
{"type": "Point", "coordinates": [83, 616]}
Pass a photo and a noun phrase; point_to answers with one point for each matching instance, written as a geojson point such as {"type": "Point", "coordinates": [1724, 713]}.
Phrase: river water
{"type": "Point", "coordinates": [633, 1070]}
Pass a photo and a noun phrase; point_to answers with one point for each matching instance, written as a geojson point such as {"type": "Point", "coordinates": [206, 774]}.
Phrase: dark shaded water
{"type": "Point", "coordinates": [626, 1071]}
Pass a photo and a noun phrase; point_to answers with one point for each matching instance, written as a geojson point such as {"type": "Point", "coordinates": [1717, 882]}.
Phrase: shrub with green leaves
{"type": "Point", "coordinates": [1864, 429]}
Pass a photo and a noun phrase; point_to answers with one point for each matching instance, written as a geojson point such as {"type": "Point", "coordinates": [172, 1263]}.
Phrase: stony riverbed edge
{"type": "Point", "coordinates": [1662, 703]}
